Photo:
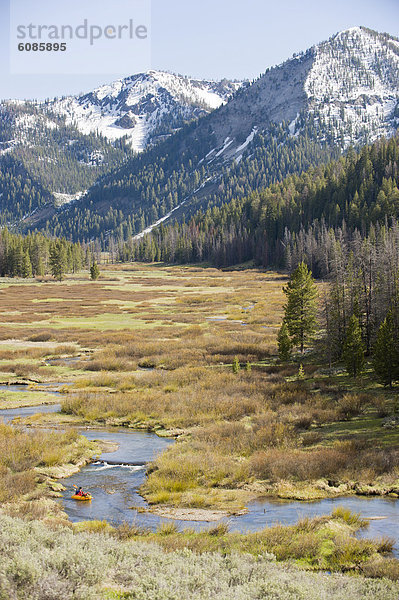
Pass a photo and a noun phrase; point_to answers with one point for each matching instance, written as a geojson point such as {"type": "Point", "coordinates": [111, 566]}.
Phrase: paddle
{"type": "Point", "coordinates": [77, 487]}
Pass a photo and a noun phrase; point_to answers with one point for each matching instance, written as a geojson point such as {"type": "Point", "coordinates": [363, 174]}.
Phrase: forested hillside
{"type": "Point", "coordinates": [52, 152]}
{"type": "Point", "coordinates": [20, 192]}
{"type": "Point", "coordinates": [301, 216]}
{"type": "Point", "coordinates": [45, 162]}
{"type": "Point", "coordinates": [154, 183]}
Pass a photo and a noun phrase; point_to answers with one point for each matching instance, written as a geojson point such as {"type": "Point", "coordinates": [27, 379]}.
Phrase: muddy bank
{"type": "Point", "coordinates": [192, 514]}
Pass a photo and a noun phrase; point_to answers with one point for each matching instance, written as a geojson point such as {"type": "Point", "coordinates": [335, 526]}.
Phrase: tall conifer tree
{"type": "Point", "coordinates": [353, 352]}
{"type": "Point", "coordinates": [386, 352]}
{"type": "Point", "coordinates": [301, 308]}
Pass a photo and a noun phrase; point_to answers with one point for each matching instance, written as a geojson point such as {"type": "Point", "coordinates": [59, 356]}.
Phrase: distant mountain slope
{"type": "Point", "coordinates": [146, 107]}
{"type": "Point", "coordinates": [58, 149]}
{"type": "Point", "coordinates": [306, 111]}
{"type": "Point", "coordinates": [303, 216]}
{"type": "Point", "coordinates": [346, 90]}
{"type": "Point", "coordinates": [45, 163]}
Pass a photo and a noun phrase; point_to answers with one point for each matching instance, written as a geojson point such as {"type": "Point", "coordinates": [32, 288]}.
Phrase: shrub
{"type": "Point", "coordinates": [387, 568]}
{"type": "Point", "coordinates": [311, 438]}
{"type": "Point", "coordinates": [382, 405]}
{"type": "Point", "coordinates": [126, 531]}
{"type": "Point", "coordinates": [42, 336]}
{"type": "Point", "coordinates": [349, 517]}
{"type": "Point", "coordinates": [168, 529]}
{"type": "Point", "coordinates": [219, 530]}
{"type": "Point", "coordinates": [93, 527]}
{"type": "Point", "coordinates": [300, 465]}
{"type": "Point", "coordinates": [351, 405]}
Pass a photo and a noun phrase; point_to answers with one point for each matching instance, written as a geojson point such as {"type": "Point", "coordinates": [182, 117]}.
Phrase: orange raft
{"type": "Point", "coordinates": [86, 498]}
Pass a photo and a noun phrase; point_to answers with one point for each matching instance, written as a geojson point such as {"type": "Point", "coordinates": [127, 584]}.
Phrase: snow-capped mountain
{"type": "Point", "coordinates": [305, 111]}
{"type": "Point", "coordinates": [144, 107]}
{"type": "Point", "coordinates": [57, 156]}
{"type": "Point", "coordinates": [344, 91]}
{"type": "Point", "coordinates": [353, 86]}
{"type": "Point", "coordinates": [341, 92]}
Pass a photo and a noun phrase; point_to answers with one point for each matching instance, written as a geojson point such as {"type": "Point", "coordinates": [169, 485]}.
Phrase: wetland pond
{"type": "Point", "coordinates": [114, 485]}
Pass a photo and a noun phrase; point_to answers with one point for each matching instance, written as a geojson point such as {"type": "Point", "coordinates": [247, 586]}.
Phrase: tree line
{"type": "Point", "coordinates": [36, 256]}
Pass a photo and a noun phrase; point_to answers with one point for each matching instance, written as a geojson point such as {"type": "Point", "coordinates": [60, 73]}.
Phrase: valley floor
{"type": "Point", "coordinates": [152, 347]}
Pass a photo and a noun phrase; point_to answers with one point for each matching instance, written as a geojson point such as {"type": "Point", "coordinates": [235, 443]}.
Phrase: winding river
{"type": "Point", "coordinates": [115, 488]}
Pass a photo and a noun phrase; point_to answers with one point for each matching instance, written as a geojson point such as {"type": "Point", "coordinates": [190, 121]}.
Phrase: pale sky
{"type": "Point", "coordinates": [210, 39]}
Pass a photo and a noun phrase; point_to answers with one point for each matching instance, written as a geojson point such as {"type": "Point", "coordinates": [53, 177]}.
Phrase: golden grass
{"type": "Point", "coordinates": [163, 341]}
{"type": "Point", "coordinates": [22, 452]}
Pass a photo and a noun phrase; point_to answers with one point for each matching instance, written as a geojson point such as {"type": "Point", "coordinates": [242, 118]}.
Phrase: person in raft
{"type": "Point", "coordinates": [80, 492]}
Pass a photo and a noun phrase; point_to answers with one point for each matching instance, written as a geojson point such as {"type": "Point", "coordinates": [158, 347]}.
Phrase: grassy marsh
{"type": "Point", "coordinates": [152, 347]}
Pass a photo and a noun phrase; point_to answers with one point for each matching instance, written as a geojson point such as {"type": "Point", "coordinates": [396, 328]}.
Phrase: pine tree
{"type": "Point", "coordinates": [353, 351]}
{"type": "Point", "coordinates": [94, 271]}
{"type": "Point", "coordinates": [58, 260]}
{"type": "Point", "coordinates": [301, 372]}
{"type": "Point", "coordinates": [26, 265]}
{"type": "Point", "coordinates": [301, 309]}
{"type": "Point", "coordinates": [386, 352]}
{"type": "Point", "coordinates": [284, 343]}
{"type": "Point", "coordinates": [40, 267]}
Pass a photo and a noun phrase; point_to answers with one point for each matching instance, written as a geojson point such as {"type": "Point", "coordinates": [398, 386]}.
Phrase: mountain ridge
{"type": "Point", "coordinates": [309, 109]}
{"type": "Point", "coordinates": [145, 107]}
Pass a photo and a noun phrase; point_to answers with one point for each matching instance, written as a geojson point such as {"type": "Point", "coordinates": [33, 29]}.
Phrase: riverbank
{"type": "Point", "coordinates": [151, 348]}
{"type": "Point", "coordinates": [231, 499]}
{"type": "Point", "coordinates": [32, 462]}
{"type": "Point", "coordinates": [343, 524]}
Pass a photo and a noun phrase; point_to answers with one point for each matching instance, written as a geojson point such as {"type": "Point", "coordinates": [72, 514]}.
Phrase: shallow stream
{"type": "Point", "coordinates": [115, 489]}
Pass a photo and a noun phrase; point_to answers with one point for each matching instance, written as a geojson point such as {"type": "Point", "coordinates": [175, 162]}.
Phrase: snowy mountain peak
{"type": "Point", "coordinates": [341, 92]}
{"type": "Point", "coordinates": [353, 85]}
{"type": "Point", "coordinates": [353, 63]}
{"type": "Point", "coordinates": [145, 107]}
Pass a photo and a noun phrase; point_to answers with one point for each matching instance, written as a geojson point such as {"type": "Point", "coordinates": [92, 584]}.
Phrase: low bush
{"type": "Point", "coordinates": [41, 336]}
{"type": "Point", "coordinates": [167, 529]}
{"type": "Point", "coordinates": [219, 530]}
{"type": "Point", "coordinates": [352, 405]}
{"type": "Point", "coordinates": [93, 527]}
{"type": "Point", "coordinates": [380, 568]}
{"type": "Point", "coordinates": [352, 519]}
{"type": "Point", "coordinates": [346, 460]}
{"type": "Point", "coordinates": [311, 438]}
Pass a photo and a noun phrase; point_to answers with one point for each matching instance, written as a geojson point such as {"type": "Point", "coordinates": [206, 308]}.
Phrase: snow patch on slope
{"type": "Point", "coordinates": [170, 213]}
{"type": "Point", "coordinates": [248, 140]}
{"type": "Point", "coordinates": [63, 199]}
